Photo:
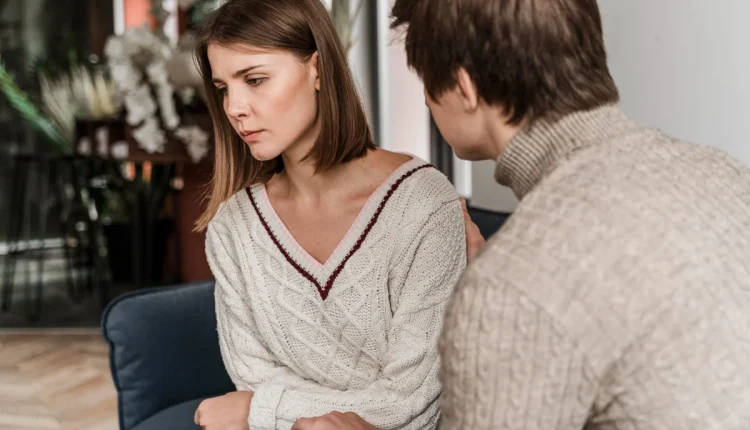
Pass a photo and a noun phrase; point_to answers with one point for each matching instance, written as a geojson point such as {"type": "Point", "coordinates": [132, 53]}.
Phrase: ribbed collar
{"type": "Point", "coordinates": [534, 150]}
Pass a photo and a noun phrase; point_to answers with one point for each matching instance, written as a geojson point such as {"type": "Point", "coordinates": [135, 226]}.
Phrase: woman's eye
{"type": "Point", "coordinates": [254, 82]}
{"type": "Point", "coordinates": [222, 90]}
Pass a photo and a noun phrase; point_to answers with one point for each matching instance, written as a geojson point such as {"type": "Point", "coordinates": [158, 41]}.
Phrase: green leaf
{"type": "Point", "coordinates": [21, 103]}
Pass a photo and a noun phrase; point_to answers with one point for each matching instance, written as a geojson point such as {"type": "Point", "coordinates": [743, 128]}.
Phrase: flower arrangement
{"type": "Point", "coordinates": [137, 62]}
{"type": "Point", "coordinates": [141, 63]}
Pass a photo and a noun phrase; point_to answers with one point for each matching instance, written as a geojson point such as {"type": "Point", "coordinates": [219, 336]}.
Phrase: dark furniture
{"type": "Point", "coordinates": [165, 354]}
{"type": "Point", "coordinates": [46, 200]}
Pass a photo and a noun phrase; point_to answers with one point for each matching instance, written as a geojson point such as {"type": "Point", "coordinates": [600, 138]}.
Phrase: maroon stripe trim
{"type": "Point", "coordinates": [369, 227]}
{"type": "Point", "coordinates": [291, 261]}
{"type": "Point", "coordinates": [324, 290]}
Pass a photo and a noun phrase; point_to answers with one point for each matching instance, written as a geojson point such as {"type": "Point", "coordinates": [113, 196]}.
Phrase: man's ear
{"type": "Point", "coordinates": [467, 90]}
{"type": "Point", "coordinates": [314, 68]}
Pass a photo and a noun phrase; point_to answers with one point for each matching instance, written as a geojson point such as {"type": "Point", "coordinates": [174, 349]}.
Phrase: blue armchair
{"type": "Point", "coordinates": [164, 355]}
{"type": "Point", "coordinates": [164, 349]}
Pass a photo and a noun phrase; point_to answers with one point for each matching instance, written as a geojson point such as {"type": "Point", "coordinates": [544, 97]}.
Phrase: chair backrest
{"type": "Point", "coordinates": [489, 222]}
{"type": "Point", "coordinates": [164, 349]}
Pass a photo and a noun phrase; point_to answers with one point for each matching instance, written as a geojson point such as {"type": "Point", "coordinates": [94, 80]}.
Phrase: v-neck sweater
{"type": "Point", "coordinates": [356, 333]}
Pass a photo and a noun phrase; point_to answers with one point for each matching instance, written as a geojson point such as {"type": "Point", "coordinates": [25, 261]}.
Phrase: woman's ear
{"type": "Point", "coordinates": [314, 68]}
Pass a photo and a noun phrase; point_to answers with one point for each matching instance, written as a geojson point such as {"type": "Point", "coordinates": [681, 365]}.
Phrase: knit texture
{"type": "Point", "coordinates": [617, 296]}
{"type": "Point", "coordinates": [357, 333]}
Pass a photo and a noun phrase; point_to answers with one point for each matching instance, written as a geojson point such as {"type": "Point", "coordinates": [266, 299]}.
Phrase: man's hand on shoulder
{"type": "Point", "coordinates": [474, 239]}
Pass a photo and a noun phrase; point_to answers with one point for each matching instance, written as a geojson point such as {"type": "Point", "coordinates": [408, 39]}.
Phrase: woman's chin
{"type": "Point", "coordinates": [263, 152]}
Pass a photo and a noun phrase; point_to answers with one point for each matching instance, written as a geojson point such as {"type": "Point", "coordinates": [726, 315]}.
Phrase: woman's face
{"type": "Point", "coordinates": [270, 98]}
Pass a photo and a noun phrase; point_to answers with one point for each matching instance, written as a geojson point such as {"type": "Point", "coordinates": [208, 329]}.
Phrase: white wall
{"type": "Point", "coordinates": [404, 121]}
{"type": "Point", "coordinates": [682, 66]}
{"type": "Point", "coordinates": [488, 194]}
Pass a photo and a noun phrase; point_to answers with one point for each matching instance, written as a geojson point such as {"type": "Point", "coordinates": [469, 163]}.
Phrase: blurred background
{"type": "Point", "coordinates": [105, 148]}
{"type": "Point", "coordinates": [105, 145]}
{"type": "Point", "coordinates": [105, 140]}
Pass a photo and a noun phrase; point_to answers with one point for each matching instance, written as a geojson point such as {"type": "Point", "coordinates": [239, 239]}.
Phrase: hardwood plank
{"type": "Point", "coordinates": [56, 381]}
{"type": "Point", "coordinates": [28, 421]}
{"type": "Point", "coordinates": [16, 351]}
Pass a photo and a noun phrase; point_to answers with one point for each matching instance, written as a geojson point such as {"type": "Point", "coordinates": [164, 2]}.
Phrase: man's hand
{"type": "Point", "coordinates": [474, 238]}
{"type": "Point", "coordinates": [334, 421]}
{"type": "Point", "coordinates": [227, 412]}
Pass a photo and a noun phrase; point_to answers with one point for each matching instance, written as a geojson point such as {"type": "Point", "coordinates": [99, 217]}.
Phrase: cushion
{"type": "Point", "coordinates": [164, 349]}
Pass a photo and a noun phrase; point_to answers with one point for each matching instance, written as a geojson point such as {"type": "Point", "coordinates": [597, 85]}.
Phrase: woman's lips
{"type": "Point", "coordinates": [251, 136]}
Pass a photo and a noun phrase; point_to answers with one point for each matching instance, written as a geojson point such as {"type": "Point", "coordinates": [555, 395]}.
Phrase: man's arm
{"type": "Point", "coordinates": [505, 365]}
{"type": "Point", "coordinates": [505, 362]}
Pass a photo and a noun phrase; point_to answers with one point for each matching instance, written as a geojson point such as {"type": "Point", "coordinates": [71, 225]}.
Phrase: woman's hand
{"type": "Point", "coordinates": [474, 238]}
{"type": "Point", "coordinates": [334, 421]}
{"type": "Point", "coordinates": [227, 412]}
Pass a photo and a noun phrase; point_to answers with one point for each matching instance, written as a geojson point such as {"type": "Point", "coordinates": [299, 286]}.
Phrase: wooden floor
{"type": "Point", "coordinates": [56, 381]}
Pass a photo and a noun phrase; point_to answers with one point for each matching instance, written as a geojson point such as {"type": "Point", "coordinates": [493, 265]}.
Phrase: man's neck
{"type": "Point", "coordinates": [499, 131]}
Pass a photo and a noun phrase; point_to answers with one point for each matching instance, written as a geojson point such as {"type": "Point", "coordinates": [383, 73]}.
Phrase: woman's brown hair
{"type": "Point", "coordinates": [301, 27]}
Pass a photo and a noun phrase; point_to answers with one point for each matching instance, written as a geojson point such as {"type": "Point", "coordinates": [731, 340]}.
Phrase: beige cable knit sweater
{"type": "Point", "coordinates": [618, 294]}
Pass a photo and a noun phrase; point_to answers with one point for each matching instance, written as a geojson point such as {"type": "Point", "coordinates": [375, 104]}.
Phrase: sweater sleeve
{"type": "Point", "coordinates": [406, 394]}
{"type": "Point", "coordinates": [506, 362]}
{"type": "Point", "coordinates": [247, 360]}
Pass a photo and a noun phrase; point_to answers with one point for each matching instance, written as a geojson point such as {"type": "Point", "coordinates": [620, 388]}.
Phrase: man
{"type": "Point", "coordinates": [618, 294]}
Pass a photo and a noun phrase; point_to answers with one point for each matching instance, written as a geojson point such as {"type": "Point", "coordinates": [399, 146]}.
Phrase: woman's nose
{"type": "Point", "coordinates": [238, 108]}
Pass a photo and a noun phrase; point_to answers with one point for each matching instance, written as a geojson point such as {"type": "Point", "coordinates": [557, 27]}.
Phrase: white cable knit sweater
{"type": "Point", "coordinates": [358, 333]}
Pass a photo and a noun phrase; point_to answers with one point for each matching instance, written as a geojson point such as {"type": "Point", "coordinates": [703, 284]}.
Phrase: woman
{"type": "Point", "coordinates": [333, 260]}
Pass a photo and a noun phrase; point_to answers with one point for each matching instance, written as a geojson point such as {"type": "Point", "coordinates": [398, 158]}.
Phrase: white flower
{"type": "Point", "coordinates": [138, 62]}
{"type": "Point", "coordinates": [125, 76]}
{"type": "Point", "coordinates": [120, 150]}
{"type": "Point", "coordinates": [167, 107]}
{"type": "Point", "coordinates": [150, 136]}
{"type": "Point", "coordinates": [157, 73]}
{"type": "Point", "coordinates": [196, 141]}
{"type": "Point", "coordinates": [187, 94]}
{"type": "Point", "coordinates": [115, 48]}
{"type": "Point", "coordinates": [139, 104]}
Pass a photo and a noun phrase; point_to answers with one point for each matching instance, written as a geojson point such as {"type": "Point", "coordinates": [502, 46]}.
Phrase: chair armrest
{"type": "Point", "coordinates": [164, 349]}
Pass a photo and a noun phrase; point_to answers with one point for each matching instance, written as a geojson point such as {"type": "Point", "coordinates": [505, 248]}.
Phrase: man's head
{"type": "Point", "coordinates": [490, 66]}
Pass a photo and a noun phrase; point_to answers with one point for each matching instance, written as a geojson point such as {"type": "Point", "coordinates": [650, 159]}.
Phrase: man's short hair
{"type": "Point", "coordinates": [537, 59]}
